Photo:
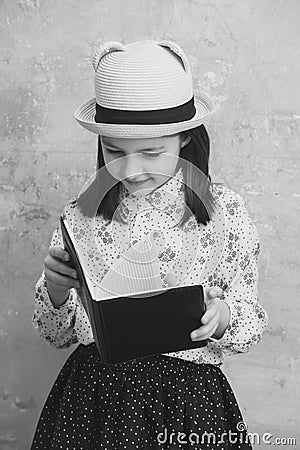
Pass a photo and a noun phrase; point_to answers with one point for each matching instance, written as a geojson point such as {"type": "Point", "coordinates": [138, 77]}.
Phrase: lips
{"type": "Point", "coordinates": [137, 183]}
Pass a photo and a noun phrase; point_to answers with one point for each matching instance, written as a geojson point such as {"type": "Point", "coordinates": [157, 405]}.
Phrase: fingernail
{"type": "Point", "coordinates": [66, 257]}
{"type": "Point", "coordinates": [74, 274]}
{"type": "Point", "coordinates": [194, 335]}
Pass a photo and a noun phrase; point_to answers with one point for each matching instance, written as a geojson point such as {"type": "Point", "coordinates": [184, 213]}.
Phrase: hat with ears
{"type": "Point", "coordinates": [143, 90]}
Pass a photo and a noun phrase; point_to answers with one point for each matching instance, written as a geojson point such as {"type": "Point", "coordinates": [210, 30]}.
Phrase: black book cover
{"type": "Point", "coordinates": [126, 328]}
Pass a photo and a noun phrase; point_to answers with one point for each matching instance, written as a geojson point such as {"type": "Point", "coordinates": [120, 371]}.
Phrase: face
{"type": "Point", "coordinates": [142, 164]}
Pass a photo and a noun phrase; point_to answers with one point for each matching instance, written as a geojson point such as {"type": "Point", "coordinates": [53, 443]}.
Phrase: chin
{"type": "Point", "coordinates": [141, 192]}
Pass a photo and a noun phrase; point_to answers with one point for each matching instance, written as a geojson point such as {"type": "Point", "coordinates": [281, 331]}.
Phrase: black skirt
{"type": "Point", "coordinates": [158, 402]}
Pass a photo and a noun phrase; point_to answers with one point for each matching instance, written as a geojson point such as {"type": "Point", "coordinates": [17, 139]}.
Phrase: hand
{"type": "Point", "coordinates": [216, 317]}
{"type": "Point", "coordinates": [59, 275]}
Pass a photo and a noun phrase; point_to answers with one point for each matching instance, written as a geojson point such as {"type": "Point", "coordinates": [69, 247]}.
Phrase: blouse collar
{"type": "Point", "coordinates": [169, 197]}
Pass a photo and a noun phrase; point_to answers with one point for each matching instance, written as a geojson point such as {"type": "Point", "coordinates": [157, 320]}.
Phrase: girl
{"type": "Point", "coordinates": [153, 144]}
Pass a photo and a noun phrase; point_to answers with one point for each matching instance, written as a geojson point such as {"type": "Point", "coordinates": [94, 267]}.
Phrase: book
{"type": "Point", "coordinates": [131, 314]}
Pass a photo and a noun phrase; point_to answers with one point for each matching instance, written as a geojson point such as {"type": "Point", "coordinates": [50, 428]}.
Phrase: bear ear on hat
{"type": "Point", "coordinates": [104, 49]}
{"type": "Point", "coordinates": [178, 51]}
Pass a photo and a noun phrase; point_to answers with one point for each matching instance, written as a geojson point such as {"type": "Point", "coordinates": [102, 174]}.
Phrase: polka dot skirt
{"type": "Point", "coordinates": [158, 402]}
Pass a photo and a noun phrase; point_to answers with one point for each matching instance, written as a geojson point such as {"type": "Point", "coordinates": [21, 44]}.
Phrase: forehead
{"type": "Point", "coordinates": [138, 144]}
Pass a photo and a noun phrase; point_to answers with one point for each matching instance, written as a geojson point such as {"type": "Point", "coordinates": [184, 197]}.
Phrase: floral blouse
{"type": "Point", "coordinates": [222, 253]}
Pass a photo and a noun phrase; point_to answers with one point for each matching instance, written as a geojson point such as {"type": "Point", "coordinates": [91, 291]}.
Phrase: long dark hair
{"type": "Point", "coordinates": [198, 197]}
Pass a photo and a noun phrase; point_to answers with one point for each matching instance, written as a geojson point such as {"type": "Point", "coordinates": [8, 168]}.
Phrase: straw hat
{"type": "Point", "coordinates": [143, 90]}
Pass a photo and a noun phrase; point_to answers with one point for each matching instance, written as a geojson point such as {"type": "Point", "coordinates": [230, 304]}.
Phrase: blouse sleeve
{"type": "Point", "coordinates": [65, 325]}
{"type": "Point", "coordinates": [239, 279]}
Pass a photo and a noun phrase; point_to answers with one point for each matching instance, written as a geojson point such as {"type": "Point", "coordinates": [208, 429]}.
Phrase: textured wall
{"type": "Point", "coordinates": [245, 55]}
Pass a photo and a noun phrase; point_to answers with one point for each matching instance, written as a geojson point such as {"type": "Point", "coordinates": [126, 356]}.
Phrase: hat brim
{"type": "Point", "coordinates": [85, 116]}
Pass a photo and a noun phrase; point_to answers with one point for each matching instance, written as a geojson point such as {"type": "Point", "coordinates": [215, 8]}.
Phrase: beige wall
{"type": "Point", "coordinates": [245, 55]}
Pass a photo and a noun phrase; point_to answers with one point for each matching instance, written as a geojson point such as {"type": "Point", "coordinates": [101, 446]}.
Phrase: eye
{"type": "Point", "coordinates": [152, 155]}
{"type": "Point", "coordinates": [149, 155]}
{"type": "Point", "coordinates": [112, 152]}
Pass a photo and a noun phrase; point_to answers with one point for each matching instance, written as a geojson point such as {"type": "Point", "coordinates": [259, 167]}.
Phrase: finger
{"type": "Point", "coordinates": [207, 335]}
{"type": "Point", "coordinates": [171, 279]}
{"type": "Point", "coordinates": [202, 336]}
{"type": "Point", "coordinates": [56, 265]}
{"type": "Point", "coordinates": [58, 252]}
{"type": "Point", "coordinates": [60, 280]}
{"type": "Point", "coordinates": [212, 292]}
{"type": "Point", "coordinates": [205, 330]}
{"type": "Point", "coordinates": [210, 312]}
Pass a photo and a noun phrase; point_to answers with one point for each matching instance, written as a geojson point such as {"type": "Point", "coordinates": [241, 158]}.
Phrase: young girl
{"type": "Point", "coordinates": [153, 144]}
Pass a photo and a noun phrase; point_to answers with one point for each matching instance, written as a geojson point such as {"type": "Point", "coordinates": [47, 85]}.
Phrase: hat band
{"type": "Point", "coordinates": [147, 117]}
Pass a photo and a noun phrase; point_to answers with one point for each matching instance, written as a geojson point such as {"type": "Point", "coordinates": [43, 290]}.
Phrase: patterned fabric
{"type": "Point", "coordinates": [156, 402]}
{"type": "Point", "coordinates": [222, 253]}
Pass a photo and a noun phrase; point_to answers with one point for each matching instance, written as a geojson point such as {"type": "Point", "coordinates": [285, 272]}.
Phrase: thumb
{"type": "Point", "coordinates": [214, 292]}
{"type": "Point", "coordinates": [171, 279]}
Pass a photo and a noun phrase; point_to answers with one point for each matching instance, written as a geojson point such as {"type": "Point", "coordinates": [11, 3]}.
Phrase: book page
{"type": "Point", "coordinates": [136, 271]}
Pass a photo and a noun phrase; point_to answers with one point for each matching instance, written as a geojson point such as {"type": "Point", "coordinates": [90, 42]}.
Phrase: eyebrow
{"type": "Point", "coordinates": [142, 150]}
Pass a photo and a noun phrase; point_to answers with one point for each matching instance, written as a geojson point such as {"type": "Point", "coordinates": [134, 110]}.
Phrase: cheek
{"type": "Point", "coordinates": [167, 164]}
{"type": "Point", "coordinates": [112, 165]}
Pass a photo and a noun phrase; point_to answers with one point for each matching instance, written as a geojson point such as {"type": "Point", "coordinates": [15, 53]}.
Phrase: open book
{"type": "Point", "coordinates": [131, 314]}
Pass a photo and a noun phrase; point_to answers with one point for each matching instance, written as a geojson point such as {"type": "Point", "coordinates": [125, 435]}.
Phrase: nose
{"type": "Point", "coordinates": [132, 168]}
